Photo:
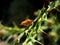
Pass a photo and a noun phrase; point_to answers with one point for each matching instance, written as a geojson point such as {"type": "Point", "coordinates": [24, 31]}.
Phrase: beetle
{"type": "Point", "coordinates": [26, 22]}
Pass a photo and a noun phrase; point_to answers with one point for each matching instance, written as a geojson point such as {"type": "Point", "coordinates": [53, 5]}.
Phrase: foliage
{"type": "Point", "coordinates": [44, 30]}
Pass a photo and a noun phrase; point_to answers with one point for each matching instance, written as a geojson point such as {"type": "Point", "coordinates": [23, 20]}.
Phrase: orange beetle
{"type": "Point", "coordinates": [26, 22]}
